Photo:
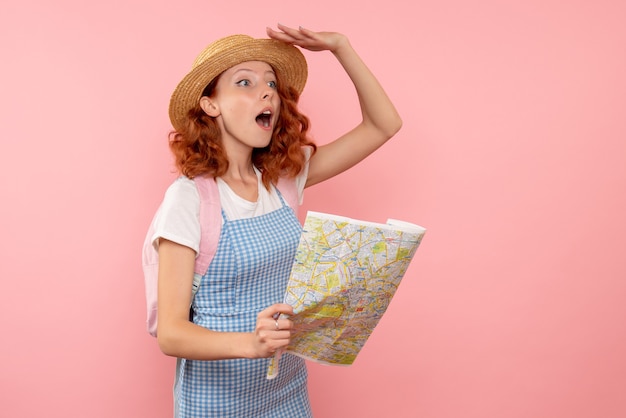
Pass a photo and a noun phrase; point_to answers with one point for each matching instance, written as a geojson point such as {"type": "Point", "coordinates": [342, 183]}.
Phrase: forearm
{"type": "Point", "coordinates": [185, 339]}
{"type": "Point", "coordinates": [176, 335]}
{"type": "Point", "coordinates": [377, 110]}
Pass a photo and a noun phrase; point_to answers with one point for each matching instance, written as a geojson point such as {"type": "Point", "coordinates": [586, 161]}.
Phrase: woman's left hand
{"type": "Point", "coordinates": [307, 39]}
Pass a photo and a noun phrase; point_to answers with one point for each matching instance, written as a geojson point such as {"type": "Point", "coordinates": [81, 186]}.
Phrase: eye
{"type": "Point", "coordinates": [243, 83]}
{"type": "Point", "coordinates": [272, 84]}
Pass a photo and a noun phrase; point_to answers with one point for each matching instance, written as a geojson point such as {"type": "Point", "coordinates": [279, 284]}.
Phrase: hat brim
{"type": "Point", "coordinates": [285, 59]}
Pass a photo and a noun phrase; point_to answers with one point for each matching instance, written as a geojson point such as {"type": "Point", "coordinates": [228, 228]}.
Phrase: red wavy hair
{"type": "Point", "coordinates": [198, 148]}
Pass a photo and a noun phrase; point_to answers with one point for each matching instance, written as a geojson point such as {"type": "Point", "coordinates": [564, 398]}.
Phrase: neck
{"type": "Point", "coordinates": [243, 173]}
{"type": "Point", "coordinates": [243, 181]}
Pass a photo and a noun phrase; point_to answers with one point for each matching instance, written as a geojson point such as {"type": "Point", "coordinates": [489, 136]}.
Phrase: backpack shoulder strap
{"type": "Point", "coordinates": [210, 222]}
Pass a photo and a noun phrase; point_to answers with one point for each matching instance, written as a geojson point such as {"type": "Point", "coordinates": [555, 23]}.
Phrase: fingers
{"type": "Point", "coordinates": [273, 331]}
{"type": "Point", "coordinates": [306, 32]}
{"type": "Point", "coordinates": [277, 309]}
{"type": "Point", "coordinates": [288, 30]}
{"type": "Point", "coordinates": [291, 35]}
{"type": "Point", "coordinates": [272, 318]}
{"type": "Point", "coordinates": [294, 33]}
{"type": "Point", "coordinates": [282, 324]}
{"type": "Point", "coordinates": [308, 39]}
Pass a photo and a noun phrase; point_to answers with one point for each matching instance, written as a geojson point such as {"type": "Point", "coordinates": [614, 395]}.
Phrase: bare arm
{"type": "Point", "coordinates": [380, 120]}
{"type": "Point", "coordinates": [179, 337]}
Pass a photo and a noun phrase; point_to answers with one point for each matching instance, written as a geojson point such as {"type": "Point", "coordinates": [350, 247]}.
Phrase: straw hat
{"type": "Point", "coordinates": [224, 53]}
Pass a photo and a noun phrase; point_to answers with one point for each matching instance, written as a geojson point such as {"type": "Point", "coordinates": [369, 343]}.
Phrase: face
{"type": "Point", "coordinates": [245, 104]}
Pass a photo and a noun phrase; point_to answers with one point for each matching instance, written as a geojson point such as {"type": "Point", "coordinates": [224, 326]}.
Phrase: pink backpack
{"type": "Point", "coordinates": [210, 228]}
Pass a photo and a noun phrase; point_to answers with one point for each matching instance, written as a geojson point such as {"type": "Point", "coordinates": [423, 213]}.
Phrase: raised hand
{"type": "Point", "coordinates": [380, 118]}
{"type": "Point", "coordinates": [308, 39]}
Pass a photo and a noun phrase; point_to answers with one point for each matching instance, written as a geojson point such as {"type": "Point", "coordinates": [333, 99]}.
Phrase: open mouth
{"type": "Point", "coordinates": [264, 119]}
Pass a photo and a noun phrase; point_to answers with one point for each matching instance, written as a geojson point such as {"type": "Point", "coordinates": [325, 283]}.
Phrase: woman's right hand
{"type": "Point", "coordinates": [272, 332]}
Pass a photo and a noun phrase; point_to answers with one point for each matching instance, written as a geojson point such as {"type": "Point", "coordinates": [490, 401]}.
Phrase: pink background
{"type": "Point", "coordinates": [512, 155]}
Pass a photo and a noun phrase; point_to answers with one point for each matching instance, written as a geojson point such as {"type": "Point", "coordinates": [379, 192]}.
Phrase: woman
{"type": "Point", "coordinates": [236, 123]}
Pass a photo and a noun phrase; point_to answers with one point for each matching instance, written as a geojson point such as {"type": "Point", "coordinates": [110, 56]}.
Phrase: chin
{"type": "Point", "coordinates": [263, 143]}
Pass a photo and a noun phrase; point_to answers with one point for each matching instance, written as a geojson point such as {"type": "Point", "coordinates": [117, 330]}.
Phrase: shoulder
{"type": "Point", "coordinates": [178, 216]}
{"type": "Point", "coordinates": [181, 203]}
{"type": "Point", "coordinates": [183, 188]}
{"type": "Point", "coordinates": [181, 199]}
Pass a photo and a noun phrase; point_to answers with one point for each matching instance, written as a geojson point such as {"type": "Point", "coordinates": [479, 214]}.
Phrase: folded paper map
{"type": "Point", "coordinates": [344, 275]}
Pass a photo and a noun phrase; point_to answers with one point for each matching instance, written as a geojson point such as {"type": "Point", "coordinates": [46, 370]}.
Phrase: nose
{"type": "Point", "coordinates": [267, 93]}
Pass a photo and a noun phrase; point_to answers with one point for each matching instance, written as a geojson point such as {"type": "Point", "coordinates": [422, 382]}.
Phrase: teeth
{"type": "Point", "coordinates": [267, 112]}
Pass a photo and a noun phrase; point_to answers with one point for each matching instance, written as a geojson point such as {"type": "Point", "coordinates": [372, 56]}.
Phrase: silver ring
{"type": "Point", "coordinates": [277, 327]}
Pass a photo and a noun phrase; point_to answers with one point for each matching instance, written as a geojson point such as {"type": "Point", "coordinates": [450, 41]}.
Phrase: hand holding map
{"type": "Point", "coordinates": [344, 275]}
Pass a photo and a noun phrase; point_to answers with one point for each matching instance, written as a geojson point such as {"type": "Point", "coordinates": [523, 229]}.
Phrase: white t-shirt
{"type": "Point", "coordinates": [178, 217]}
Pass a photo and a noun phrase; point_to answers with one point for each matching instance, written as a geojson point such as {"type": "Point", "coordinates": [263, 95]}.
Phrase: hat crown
{"type": "Point", "coordinates": [219, 46]}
